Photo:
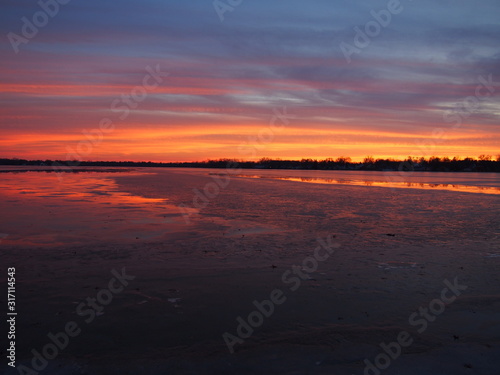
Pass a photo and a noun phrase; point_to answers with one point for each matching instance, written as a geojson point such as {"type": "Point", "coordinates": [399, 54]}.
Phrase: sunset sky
{"type": "Point", "coordinates": [230, 70]}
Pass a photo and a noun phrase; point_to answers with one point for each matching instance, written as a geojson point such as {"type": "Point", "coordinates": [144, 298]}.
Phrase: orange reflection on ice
{"type": "Point", "coordinates": [46, 209]}
{"type": "Point", "coordinates": [390, 184]}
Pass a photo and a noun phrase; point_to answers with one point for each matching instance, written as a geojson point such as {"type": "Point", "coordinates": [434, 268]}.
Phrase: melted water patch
{"type": "Point", "coordinates": [387, 184]}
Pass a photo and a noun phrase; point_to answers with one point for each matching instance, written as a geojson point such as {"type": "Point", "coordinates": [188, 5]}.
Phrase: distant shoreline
{"type": "Point", "coordinates": [432, 164]}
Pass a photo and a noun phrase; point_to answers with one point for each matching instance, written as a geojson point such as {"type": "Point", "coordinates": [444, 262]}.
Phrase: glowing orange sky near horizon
{"type": "Point", "coordinates": [62, 121]}
{"type": "Point", "coordinates": [189, 145]}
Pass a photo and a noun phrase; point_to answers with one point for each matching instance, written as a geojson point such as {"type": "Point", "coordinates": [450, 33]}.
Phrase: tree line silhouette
{"type": "Point", "coordinates": [484, 163]}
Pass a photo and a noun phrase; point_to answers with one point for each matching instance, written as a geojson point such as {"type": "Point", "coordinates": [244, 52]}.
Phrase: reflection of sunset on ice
{"type": "Point", "coordinates": [77, 209]}
{"type": "Point", "coordinates": [305, 274]}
